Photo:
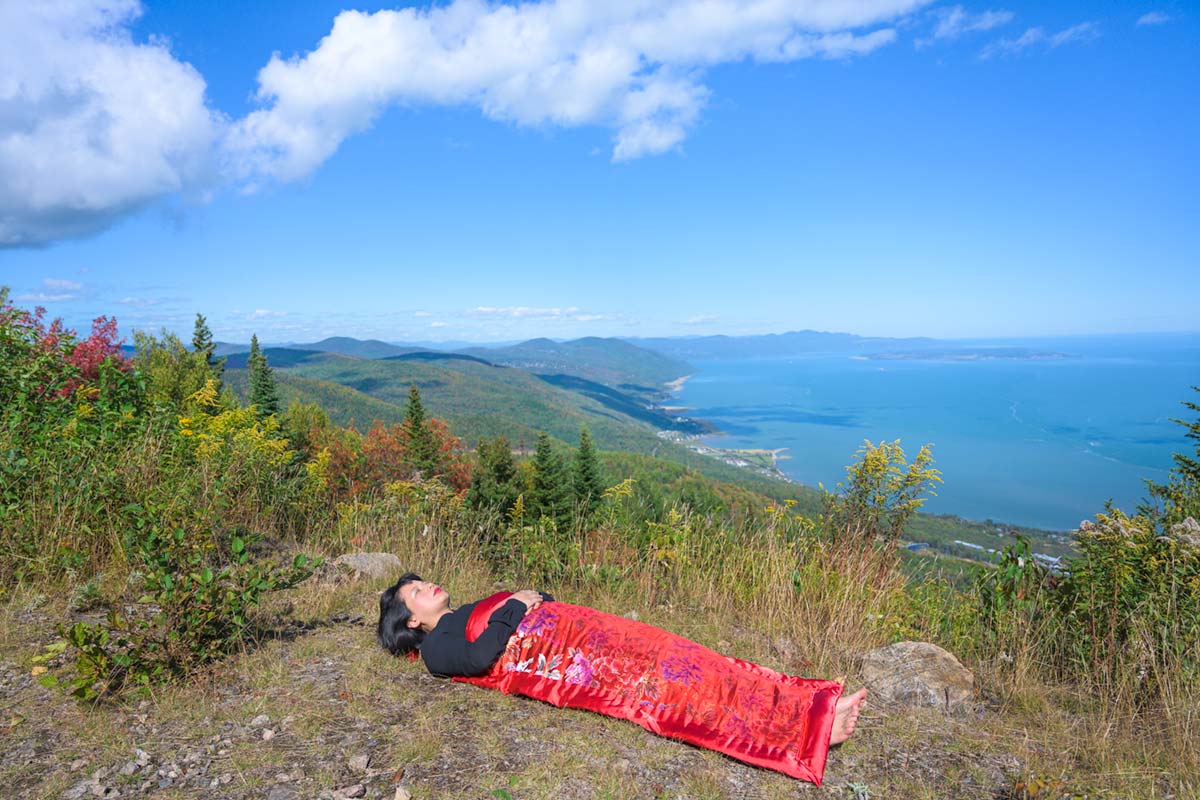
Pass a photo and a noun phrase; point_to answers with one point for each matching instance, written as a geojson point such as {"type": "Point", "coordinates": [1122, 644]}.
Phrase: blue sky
{"type": "Point", "coordinates": [885, 167]}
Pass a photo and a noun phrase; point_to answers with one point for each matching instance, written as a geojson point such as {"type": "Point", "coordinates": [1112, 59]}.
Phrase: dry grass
{"type": "Point", "coordinates": [332, 693]}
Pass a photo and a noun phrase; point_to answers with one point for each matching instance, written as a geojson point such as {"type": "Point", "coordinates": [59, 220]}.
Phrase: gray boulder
{"type": "Point", "coordinates": [918, 674]}
{"type": "Point", "coordinates": [367, 565]}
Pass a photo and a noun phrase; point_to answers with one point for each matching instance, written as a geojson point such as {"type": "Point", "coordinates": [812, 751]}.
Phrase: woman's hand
{"type": "Point", "coordinates": [529, 597]}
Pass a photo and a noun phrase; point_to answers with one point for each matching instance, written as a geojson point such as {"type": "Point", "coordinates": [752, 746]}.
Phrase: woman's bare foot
{"type": "Point", "coordinates": [845, 716]}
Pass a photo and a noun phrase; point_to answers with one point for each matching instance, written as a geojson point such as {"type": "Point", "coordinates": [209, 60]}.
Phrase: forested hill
{"type": "Point", "coordinates": [476, 398]}
{"type": "Point", "coordinates": [609, 361]}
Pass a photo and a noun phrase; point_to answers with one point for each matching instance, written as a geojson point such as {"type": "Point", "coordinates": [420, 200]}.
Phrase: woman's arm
{"type": "Point", "coordinates": [450, 655]}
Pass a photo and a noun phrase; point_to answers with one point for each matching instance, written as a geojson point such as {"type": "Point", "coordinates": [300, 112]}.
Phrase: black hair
{"type": "Point", "coordinates": [394, 633]}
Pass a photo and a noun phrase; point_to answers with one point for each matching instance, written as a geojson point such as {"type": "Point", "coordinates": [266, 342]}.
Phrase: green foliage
{"type": "Point", "coordinates": [543, 552]}
{"type": "Point", "coordinates": [882, 492]}
{"type": "Point", "coordinates": [549, 492]}
{"type": "Point", "coordinates": [202, 345]}
{"type": "Point", "coordinates": [1179, 498]}
{"type": "Point", "coordinates": [263, 393]}
{"type": "Point", "coordinates": [1130, 602]}
{"type": "Point", "coordinates": [197, 592]}
{"type": "Point", "coordinates": [494, 478]}
{"type": "Point", "coordinates": [667, 542]}
{"type": "Point", "coordinates": [1014, 599]}
{"type": "Point", "coordinates": [588, 486]}
{"type": "Point", "coordinates": [422, 450]}
{"type": "Point", "coordinates": [171, 372]}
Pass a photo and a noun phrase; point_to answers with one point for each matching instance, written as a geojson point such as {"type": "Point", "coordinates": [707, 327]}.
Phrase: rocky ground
{"type": "Point", "coordinates": [319, 711]}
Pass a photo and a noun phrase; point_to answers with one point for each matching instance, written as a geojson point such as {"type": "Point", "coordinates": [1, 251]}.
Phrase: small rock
{"type": "Point", "coordinates": [357, 790]}
{"type": "Point", "coordinates": [369, 565]}
{"type": "Point", "coordinates": [360, 763]}
{"type": "Point", "coordinates": [225, 777]}
{"type": "Point", "coordinates": [259, 721]}
{"type": "Point", "coordinates": [282, 791]}
{"type": "Point", "coordinates": [268, 734]}
{"type": "Point", "coordinates": [77, 791]}
{"type": "Point", "coordinates": [402, 794]}
{"type": "Point", "coordinates": [78, 763]}
{"type": "Point", "coordinates": [918, 674]}
{"type": "Point", "coordinates": [633, 615]}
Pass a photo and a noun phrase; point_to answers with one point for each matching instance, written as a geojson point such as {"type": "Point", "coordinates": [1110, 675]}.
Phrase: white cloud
{"type": "Point", "coordinates": [257, 314]}
{"type": "Point", "coordinates": [61, 283]}
{"type": "Point", "coordinates": [634, 66]}
{"type": "Point", "coordinates": [1083, 32]}
{"type": "Point", "coordinates": [700, 319]}
{"type": "Point", "coordinates": [139, 302]}
{"type": "Point", "coordinates": [45, 297]}
{"type": "Point", "coordinates": [955, 21]}
{"type": "Point", "coordinates": [1153, 18]}
{"type": "Point", "coordinates": [438, 324]}
{"type": "Point", "coordinates": [570, 314]}
{"type": "Point", "coordinates": [92, 124]}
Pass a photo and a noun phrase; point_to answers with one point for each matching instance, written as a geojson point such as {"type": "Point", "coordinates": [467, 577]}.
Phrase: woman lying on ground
{"type": "Point", "coordinates": [529, 644]}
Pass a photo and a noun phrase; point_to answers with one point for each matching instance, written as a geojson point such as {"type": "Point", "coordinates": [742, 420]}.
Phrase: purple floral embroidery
{"type": "Point", "coordinates": [580, 671]}
{"type": "Point", "coordinates": [597, 639]}
{"type": "Point", "coordinates": [736, 726]}
{"type": "Point", "coordinates": [680, 670]}
{"type": "Point", "coordinates": [537, 622]}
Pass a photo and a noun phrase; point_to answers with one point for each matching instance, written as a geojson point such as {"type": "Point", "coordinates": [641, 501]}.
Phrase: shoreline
{"type": "Point", "coordinates": [741, 457]}
{"type": "Point", "coordinates": [677, 384]}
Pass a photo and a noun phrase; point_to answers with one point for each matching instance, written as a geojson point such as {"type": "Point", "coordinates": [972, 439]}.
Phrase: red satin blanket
{"type": "Point", "coordinates": [579, 657]}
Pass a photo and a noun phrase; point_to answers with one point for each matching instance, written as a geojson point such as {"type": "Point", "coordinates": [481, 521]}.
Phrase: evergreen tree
{"type": "Point", "coordinates": [551, 493]}
{"type": "Point", "coordinates": [1179, 498]}
{"type": "Point", "coordinates": [1187, 466]}
{"type": "Point", "coordinates": [588, 486]}
{"type": "Point", "coordinates": [423, 455]}
{"type": "Point", "coordinates": [494, 479]}
{"type": "Point", "coordinates": [263, 392]}
{"type": "Point", "coordinates": [203, 346]}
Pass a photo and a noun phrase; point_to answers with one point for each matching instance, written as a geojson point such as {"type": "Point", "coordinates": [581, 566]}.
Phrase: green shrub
{"type": "Point", "coordinates": [196, 595]}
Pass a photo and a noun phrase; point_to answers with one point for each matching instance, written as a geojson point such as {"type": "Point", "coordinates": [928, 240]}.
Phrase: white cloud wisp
{"type": "Point", "coordinates": [1083, 32]}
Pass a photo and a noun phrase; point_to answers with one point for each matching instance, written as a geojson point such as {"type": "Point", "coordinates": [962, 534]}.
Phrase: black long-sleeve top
{"type": "Point", "coordinates": [447, 652]}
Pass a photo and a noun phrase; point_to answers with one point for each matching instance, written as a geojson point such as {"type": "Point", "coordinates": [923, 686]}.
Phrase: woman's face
{"type": "Point", "coordinates": [424, 601]}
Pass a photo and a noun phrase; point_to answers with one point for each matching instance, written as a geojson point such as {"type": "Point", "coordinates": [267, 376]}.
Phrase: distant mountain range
{"type": "Point", "coordinates": [647, 362]}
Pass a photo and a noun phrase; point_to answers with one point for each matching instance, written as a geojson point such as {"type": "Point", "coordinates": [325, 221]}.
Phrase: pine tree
{"type": "Point", "coordinates": [550, 495]}
{"type": "Point", "coordinates": [494, 479]}
{"type": "Point", "coordinates": [1187, 466]}
{"type": "Point", "coordinates": [588, 486]}
{"type": "Point", "coordinates": [423, 455]}
{"type": "Point", "coordinates": [203, 346]}
{"type": "Point", "coordinates": [1179, 498]}
{"type": "Point", "coordinates": [263, 392]}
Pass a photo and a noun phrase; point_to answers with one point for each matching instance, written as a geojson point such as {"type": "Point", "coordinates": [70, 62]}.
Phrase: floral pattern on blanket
{"type": "Point", "coordinates": [579, 657]}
